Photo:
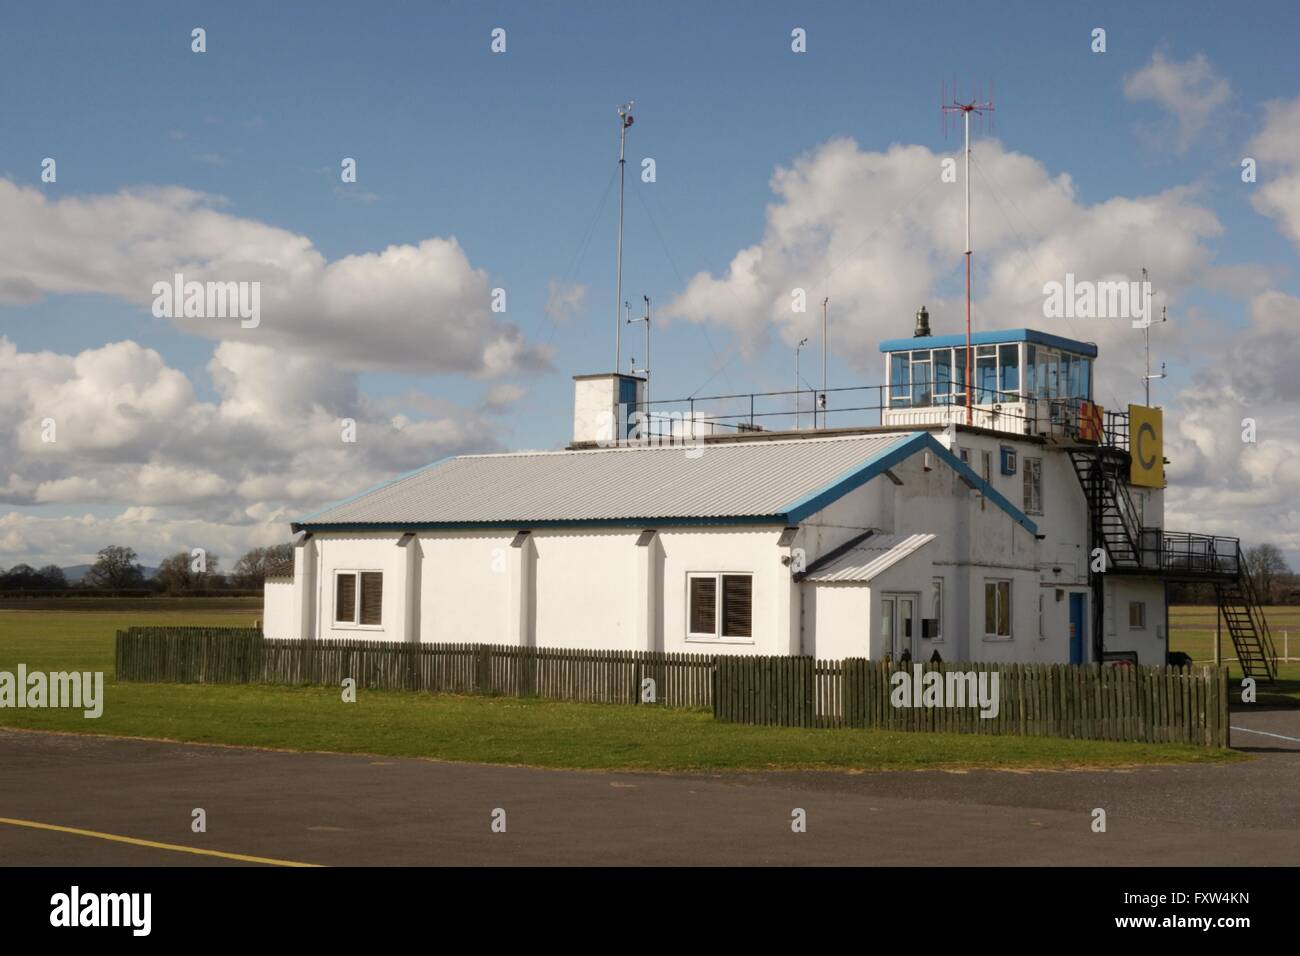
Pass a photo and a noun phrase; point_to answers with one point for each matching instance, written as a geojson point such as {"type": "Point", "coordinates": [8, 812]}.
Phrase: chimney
{"type": "Point", "coordinates": [922, 324]}
{"type": "Point", "coordinates": [606, 407]}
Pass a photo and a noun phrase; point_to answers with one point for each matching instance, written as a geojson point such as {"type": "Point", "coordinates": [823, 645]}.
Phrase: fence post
{"type": "Point", "coordinates": [483, 668]}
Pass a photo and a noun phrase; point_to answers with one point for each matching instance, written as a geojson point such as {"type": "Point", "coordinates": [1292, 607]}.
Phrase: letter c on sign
{"type": "Point", "coordinates": [1147, 461]}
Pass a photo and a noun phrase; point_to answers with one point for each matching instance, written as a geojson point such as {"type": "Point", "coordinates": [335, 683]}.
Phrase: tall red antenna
{"type": "Point", "coordinates": [979, 108]}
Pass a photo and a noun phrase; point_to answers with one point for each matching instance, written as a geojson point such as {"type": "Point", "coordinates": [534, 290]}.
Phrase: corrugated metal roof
{"type": "Point", "coordinates": [760, 479]}
{"type": "Point", "coordinates": [863, 562]}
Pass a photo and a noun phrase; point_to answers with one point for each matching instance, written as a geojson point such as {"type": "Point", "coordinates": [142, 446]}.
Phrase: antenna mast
{"type": "Point", "coordinates": [624, 121]}
{"type": "Point", "coordinates": [966, 109]}
{"type": "Point", "coordinates": [1146, 336]}
{"type": "Point", "coordinates": [647, 418]}
{"type": "Point", "coordinates": [822, 399]}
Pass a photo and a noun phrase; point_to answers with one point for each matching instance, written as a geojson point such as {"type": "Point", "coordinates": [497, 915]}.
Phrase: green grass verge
{"type": "Point", "coordinates": [492, 730]}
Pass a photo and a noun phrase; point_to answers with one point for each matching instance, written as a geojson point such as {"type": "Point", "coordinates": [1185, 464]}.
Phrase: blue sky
{"type": "Point", "coordinates": [512, 155]}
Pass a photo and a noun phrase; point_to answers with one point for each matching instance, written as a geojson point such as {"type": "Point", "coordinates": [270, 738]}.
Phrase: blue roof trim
{"type": "Point", "coordinates": [296, 525]}
{"type": "Point", "coordinates": [1003, 336]}
{"type": "Point", "coordinates": [859, 475]}
{"type": "Point", "coordinates": [810, 504]}
{"type": "Point", "coordinates": [776, 520]}
{"type": "Point", "coordinates": [989, 492]}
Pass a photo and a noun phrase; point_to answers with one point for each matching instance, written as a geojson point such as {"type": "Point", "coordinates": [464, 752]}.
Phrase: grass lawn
{"type": "Point", "coordinates": [488, 730]}
{"type": "Point", "coordinates": [1191, 630]}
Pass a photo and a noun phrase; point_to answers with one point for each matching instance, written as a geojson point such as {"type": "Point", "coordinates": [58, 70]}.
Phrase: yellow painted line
{"type": "Point", "coordinates": [136, 841]}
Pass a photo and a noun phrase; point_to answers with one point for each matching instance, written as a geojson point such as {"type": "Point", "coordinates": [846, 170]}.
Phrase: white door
{"type": "Point", "coordinates": [898, 625]}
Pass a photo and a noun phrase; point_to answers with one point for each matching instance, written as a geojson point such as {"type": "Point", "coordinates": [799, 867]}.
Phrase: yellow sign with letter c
{"type": "Point", "coordinates": [1146, 445]}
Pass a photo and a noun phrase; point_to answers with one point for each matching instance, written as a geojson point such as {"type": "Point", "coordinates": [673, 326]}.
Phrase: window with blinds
{"type": "Point", "coordinates": [359, 597]}
{"type": "Point", "coordinates": [345, 598]}
{"type": "Point", "coordinates": [704, 605]}
{"type": "Point", "coordinates": [736, 605]}
{"type": "Point", "coordinates": [720, 606]}
{"type": "Point", "coordinates": [372, 597]}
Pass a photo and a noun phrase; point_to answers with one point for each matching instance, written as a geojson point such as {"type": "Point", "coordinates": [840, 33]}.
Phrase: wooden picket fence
{"type": "Point", "coordinates": [188, 655]}
{"type": "Point", "coordinates": [1149, 704]}
{"type": "Point", "coordinates": [241, 656]}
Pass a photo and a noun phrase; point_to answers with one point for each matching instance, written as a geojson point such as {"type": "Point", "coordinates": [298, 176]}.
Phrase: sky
{"type": "Point", "coordinates": [479, 170]}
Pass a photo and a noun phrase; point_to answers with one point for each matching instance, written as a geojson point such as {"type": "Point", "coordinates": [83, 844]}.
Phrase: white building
{"type": "Point", "coordinates": [913, 535]}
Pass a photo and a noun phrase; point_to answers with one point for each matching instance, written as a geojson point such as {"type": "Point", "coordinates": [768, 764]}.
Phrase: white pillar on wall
{"type": "Point", "coordinates": [789, 595]}
{"type": "Point", "coordinates": [519, 604]}
{"type": "Point", "coordinates": [645, 590]}
{"type": "Point", "coordinates": [305, 586]}
{"type": "Point", "coordinates": [410, 629]}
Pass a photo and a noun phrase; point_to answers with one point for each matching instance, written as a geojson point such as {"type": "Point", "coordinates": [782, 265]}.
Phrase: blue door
{"type": "Point", "coordinates": [1076, 628]}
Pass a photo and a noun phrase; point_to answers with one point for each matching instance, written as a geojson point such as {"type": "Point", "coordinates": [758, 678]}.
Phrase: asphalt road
{"type": "Point", "coordinates": [336, 810]}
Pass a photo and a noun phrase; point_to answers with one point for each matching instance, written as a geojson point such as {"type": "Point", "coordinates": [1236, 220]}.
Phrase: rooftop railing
{"type": "Point", "coordinates": [867, 406]}
{"type": "Point", "coordinates": [1186, 552]}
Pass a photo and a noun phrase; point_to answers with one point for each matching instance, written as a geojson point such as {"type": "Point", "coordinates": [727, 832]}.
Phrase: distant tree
{"type": "Point", "coordinates": [1188, 592]}
{"type": "Point", "coordinates": [176, 574]}
{"type": "Point", "coordinates": [21, 577]}
{"type": "Point", "coordinates": [251, 570]}
{"type": "Point", "coordinates": [52, 576]}
{"type": "Point", "coordinates": [1289, 586]}
{"type": "Point", "coordinates": [115, 567]}
{"type": "Point", "coordinates": [1268, 567]}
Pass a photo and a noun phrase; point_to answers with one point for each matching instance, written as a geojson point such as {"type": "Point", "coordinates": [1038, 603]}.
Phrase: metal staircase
{"type": "Point", "coordinates": [1110, 508]}
{"type": "Point", "coordinates": [1182, 556]}
{"type": "Point", "coordinates": [1247, 625]}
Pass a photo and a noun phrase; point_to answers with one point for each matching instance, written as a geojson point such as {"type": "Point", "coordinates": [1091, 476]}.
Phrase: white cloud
{"type": "Point", "coordinates": [565, 301]}
{"type": "Point", "coordinates": [415, 308]}
{"type": "Point", "coordinates": [1276, 149]}
{"type": "Point", "coordinates": [880, 234]}
{"type": "Point", "coordinates": [64, 540]}
{"type": "Point", "coordinates": [1218, 483]}
{"type": "Point", "coordinates": [500, 398]}
{"type": "Point", "coordinates": [1190, 91]}
{"type": "Point", "coordinates": [130, 433]}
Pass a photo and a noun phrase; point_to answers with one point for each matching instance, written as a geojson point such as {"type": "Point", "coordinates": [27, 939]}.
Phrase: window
{"type": "Point", "coordinates": [1033, 486]}
{"type": "Point", "coordinates": [997, 610]}
{"type": "Point", "coordinates": [1083, 389]}
{"type": "Point", "coordinates": [720, 606]}
{"type": "Point", "coordinates": [936, 610]}
{"type": "Point", "coordinates": [359, 598]}
{"type": "Point", "coordinates": [986, 374]}
{"type": "Point", "coordinates": [1137, 615]}
{"type": "Point", "coordinates": [345, 598]}
{"type": "Point", "coordinates": [1009, 369]}
{"type": "Point", "coordinates": [1031, 380]}
{"type": "Point", "coordinates": [942, 375]}
{"type": "Point", "coordinates": [1047, 378]}
{"type": "Point", "coordinates": [900, 379]}
{"type": "Point", "coordinates": [921, 379]}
